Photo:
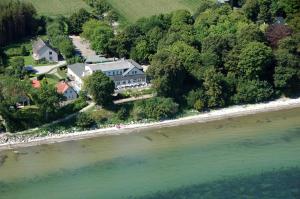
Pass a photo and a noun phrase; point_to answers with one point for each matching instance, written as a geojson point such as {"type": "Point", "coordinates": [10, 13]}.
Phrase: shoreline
{"type": "Point", "coordinates": [214, 115]}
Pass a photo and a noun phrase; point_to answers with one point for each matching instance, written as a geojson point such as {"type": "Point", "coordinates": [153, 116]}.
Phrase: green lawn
{"type": "Point", "coordinates": [132, 10]}
{"type": "Point", "coordinates": [57, 7]}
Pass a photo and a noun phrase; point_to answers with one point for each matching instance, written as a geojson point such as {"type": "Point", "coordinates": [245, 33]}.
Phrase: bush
{"type": "Point", "coordinates": [155, 108]}
{"type": "Point", "coordinates": [84, 120]}
{"type": "Point", "coordinates": [199, 105]}
{"type": "Point", "coordinates": [194, 96]}
{"type": "Point", "coordinates": [253, 91]}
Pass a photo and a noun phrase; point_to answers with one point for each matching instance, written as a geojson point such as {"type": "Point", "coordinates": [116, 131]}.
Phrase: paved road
{"type": "Point", "coordinates": [82, 46]}
{"type": "Point", "coordinates": [46, 69]}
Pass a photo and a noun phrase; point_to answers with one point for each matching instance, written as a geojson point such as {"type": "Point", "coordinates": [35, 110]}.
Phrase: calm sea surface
{"type": "Point", "coordinates": [164, 162]}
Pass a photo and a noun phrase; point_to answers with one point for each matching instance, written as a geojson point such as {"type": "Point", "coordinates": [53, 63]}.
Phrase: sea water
{"type": "Point", "coordinates": [255, 156]}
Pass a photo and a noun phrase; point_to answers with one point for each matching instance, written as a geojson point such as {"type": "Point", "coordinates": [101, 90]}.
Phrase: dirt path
{"type": "Point", "coordinates": [82, 46]}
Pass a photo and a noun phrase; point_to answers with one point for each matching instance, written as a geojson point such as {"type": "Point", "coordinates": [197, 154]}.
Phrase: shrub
{"type": "Point", "coordinates": [199, 105]}
{"type": "Point", "coordinates": [155, 108]}
{"type": "Point", "coordinates": [253, 91]}
{"type": "Point", "coordinates": [84, 120]}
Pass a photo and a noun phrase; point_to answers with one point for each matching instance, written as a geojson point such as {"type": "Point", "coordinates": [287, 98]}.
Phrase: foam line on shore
{"type": "Point", "coordinates": [233, 111]}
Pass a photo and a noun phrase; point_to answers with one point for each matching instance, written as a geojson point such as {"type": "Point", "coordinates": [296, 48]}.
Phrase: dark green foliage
{"type": "Point", "coordinates": [48, 100]}
{"type": "Point", "coordinates": [253, 91]}
{"type": "Point", "coordinates": [100, 87]}
{"type": "Point", "coordinates": [77, 19]}
{"type": "Point", "coordinates": [84, 120]}
{"type": "Point", "coordinates": [156, 108]}
{"type": "Point", "coordinates": [197, 99]}
{"type": "Point", "coordinates": [99, 34]}
{"type": "Point", "coordinates": [168, 74]}
{"type": "Point", "coordinates": [203, 6]}
{"type": "Point", "coordinates": [16, 68]}
{"type": "Point", "coordinates": [57, 33]}
{"type": "Point", "coordinates": [214, 86]}
{"type": "Point", "coordinates": [255, 60]}
{"type": "Point", "coordinates": [17, 20]}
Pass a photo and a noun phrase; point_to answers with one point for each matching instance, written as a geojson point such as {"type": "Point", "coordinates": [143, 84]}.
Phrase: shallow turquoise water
{"type": "Point", "coordinates": [155, 160]}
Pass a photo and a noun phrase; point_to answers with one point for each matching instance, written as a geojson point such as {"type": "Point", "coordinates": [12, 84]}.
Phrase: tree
{"type": "Point", "coordinates": [84, 120]}
{"type": "Point", "coordinates": [77, 20]}
{"type": "Point", "coordinates": [168, 74]}
{"type": "Point", "coordinates": [253, 91]}
{"type": "Point", "coordinates": [287, 71]}
{"type": "Point", "coordinates": [203, 6]}
{"type": "Point", "coordinates": [18, 19]}
{"type": "Point", "coordinates": [254, 60]}
{"type": "Point", "coordinates": [251, 9]}
{"type": "Point", "coordinates": [214, 86]}
{"type": "Point", "coordinates": [99, 35]}
{"type": "Point", "coordinates": [197, 99]}
{"type": "Point", "coordinates": [48, 99]}
{"type": "Point", "coordinates": [157, 108]}
{"type": "Point", "coordinates": [17, 67]}
{"type": "Point", "coordinates": [140, 52]}
{"type": "Point", "coordinates": [277, 32]}
{"type": "Point", "coordinates": [100, 87]}
{"type": "Point", "coordinates": [265, 14]}
{"type": "Point", "coordinates": [249, 33]}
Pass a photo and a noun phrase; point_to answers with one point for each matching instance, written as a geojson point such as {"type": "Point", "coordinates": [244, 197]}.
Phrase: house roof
{"type": "Point", "coordinates": [116, 65]}
{"type": "Point", "coordinates": [62, 87]}
{"type": "Point", "coordinates": [96, 59]}
{"type": "Point", "coordinates": [36, 84]}
{"type": "Point", "coordinates": [38, 45]}
{"type": "Point", "coordinates": [77, 68]}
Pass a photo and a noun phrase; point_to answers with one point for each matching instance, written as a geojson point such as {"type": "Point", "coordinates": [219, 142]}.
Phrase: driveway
{"type": "Point", "coordinates": [82, 46]}
{"type": "Point", "coordinates": [46, 69]}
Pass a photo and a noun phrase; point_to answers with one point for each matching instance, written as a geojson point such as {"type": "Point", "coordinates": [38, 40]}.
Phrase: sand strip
{"type": "Point", "coordinates": [233, 111]}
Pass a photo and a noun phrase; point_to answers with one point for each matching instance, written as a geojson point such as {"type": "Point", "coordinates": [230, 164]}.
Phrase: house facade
{"type": "Point", "coordinates": [122, 72]}
{"type": "Point", "coordinates": [67, 91]}
{"type": "Point", "coordinates": [41, 50]}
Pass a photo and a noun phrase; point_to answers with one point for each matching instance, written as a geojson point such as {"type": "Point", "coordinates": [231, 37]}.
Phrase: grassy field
{"type": "Point", "coordinates": [132, 10]}
{"type": "Point", "coordinates": [57, 7]}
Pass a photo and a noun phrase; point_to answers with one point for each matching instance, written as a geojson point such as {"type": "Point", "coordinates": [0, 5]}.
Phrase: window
{"type": "Point", "coordinates": [50, 52]}
{"type": "Point", "coordinates": [50, 58]}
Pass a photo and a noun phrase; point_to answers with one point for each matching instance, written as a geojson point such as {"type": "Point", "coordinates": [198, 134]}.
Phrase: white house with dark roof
{"type": "Point", "coordinates": [42, 50]}
{"type": "Point", "coordinates": [122, 72]}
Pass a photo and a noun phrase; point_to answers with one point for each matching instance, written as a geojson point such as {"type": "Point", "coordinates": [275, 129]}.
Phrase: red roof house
{"type": "Point", "coordinates": [66, 90]}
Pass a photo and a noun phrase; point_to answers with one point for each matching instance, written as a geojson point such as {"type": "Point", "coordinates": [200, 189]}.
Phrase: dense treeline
{"type": "Point", "coordinates": [57, 32]}
{"type": "Point", "coordinates": [216, 57]}
{"type": "Point", "coordinates": [17, 20]}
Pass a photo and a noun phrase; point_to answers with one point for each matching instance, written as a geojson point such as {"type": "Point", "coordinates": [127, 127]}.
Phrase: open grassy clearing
{"type": "Point", "coordinates": [132, 10]}
{"type": "Point", "coordinates": [57, 7]}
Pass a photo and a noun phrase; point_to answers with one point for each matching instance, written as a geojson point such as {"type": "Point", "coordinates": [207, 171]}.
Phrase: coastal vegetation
{"type": "Point", "coordinates": [215, 57]}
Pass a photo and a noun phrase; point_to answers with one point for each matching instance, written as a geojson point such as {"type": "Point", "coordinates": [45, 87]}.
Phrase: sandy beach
{"type": "Point", "coordinates": [229, 112]}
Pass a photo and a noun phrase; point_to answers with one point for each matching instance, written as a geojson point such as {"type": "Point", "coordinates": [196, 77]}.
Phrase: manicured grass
{"type": "Point", "coordinates": [27, 43]}
{"type": "Point", "coordinates": [57, 7]}
{"type": "Point", "coordinates": [132, 10]}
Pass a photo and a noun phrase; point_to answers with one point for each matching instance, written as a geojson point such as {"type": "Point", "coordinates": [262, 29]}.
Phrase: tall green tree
{"type": "Point", "coordinates": [77, 19]}
{"type": "Point", "coordinates": [255, 60]}
{"type": "Point", "coordinates": [214, 88]}
{"type": "Point", "coordinates": [100, 87]}
{"type": "Point", "coordinates": [48, 100]}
